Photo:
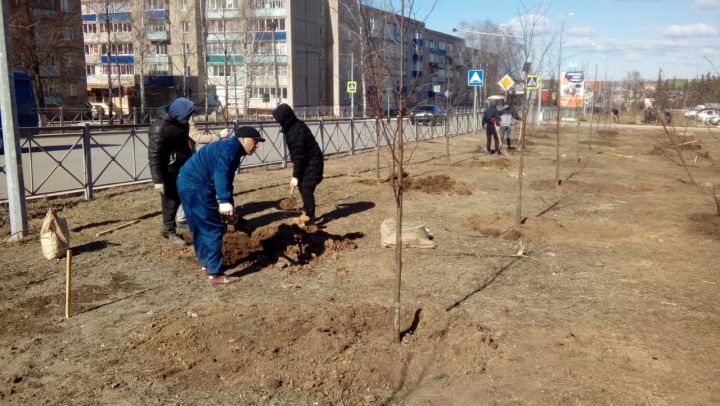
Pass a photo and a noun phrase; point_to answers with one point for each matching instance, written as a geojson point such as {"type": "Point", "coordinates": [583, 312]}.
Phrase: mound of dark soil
{"type": "Point", "coordinates": [285, 246]}
{"type": "Point", "coordinates": [437, 184]}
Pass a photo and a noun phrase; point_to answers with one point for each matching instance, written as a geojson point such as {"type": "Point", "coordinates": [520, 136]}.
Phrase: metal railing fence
{"type": "Point", "coordinates": [72, 159]}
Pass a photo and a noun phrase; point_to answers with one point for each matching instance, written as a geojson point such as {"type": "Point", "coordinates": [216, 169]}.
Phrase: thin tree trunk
{"type": "Point", "coordinates": [400, 145]}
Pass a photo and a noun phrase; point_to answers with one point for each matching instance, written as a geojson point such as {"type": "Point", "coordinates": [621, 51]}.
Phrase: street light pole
{"type": "Point", "coordinates": [352, 79]}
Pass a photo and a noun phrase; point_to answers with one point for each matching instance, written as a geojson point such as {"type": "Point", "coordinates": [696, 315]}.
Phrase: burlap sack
{"type": "Point", "coordinates": [54, 236]}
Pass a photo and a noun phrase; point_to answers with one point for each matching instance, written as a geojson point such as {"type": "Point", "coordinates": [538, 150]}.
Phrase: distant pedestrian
{"type": "Point", "coordinates": [168, 149]}
{"type": "Point", "coordinates": [205, 186]}
{"type": "Point", "coordinates": [668, 117]}
{"type": "Point", "coordinates": [507, 117]}
{"type": "Point", "coordinates": [491, 117]}
{"type": "Point", "coordinates": [616, 115]}
{"type": "Point", "coordinates": [306, 156]}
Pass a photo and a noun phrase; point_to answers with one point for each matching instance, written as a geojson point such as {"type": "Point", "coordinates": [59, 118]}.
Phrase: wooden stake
{"type": "Point", "coordinates": [68, 283]}
{"type": "Point", "coordinates": [110, 230]}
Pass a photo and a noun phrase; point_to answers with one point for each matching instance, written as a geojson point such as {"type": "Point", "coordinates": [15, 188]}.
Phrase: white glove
{"type": "Point", "coordinates": [159, 187]}
{"type": "Point", "coordinates": [294, 181]}
{"type": "Point", "coordinates": [226, 209]}
{"type": "Point", "coordinates": [224, 134]}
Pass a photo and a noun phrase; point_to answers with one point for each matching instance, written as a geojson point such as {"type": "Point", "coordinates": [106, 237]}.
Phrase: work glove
{"type": "Point", "coordinates": [159, 187]}
{"type": "Point", "coordinates": [293, 181]}
{"type": "Point", "coordinates": [226, 209]}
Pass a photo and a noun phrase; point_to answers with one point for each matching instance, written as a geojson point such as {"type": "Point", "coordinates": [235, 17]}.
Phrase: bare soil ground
{"type": "Point", "coordinates": [614, 302]}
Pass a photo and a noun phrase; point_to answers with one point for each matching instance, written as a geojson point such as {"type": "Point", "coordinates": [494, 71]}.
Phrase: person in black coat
{"type": "Point", "coordinates": [169, 147]}
{"type": "Point", "coordinates": [306, 156]}
{"type": "Point", "coordinates": [491, 117]}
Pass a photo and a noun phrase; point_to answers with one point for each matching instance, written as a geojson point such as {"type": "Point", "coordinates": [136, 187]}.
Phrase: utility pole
{"type": "Point", "coordinates": [13, 159]}
{"type": "Point", "coordinates": [352, 78]}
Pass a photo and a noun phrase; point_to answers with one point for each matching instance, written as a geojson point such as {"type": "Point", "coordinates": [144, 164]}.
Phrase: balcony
{"type": "Point", "coordinates": [158, 59]}
{"type": "Point", "coordinates": [223, 14]}
{"type": "Point", "coordinates": [159, 80]}
{"type": "Point", "coordinates": [222, 59]}
{"type": "Point", "coordinates": [268, 12]}
{"type": "Point", "coordinates": [157, 15]}
{"type": "Point", "coordinates": [47, 71]}
{"type": "Point", "coordinates": [158, 36]}
{"type": "Point", "coordinates": [267, 36]}
{"type": "Point", "coordinates": [118, 59]}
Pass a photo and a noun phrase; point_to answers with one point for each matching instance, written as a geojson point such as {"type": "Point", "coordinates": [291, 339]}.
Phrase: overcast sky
{"type": "Point", "coordinates": [679, 36]}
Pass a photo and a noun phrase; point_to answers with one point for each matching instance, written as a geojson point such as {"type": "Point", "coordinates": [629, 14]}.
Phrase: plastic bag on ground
{"type": "Point", "coordinates": [54, 236]}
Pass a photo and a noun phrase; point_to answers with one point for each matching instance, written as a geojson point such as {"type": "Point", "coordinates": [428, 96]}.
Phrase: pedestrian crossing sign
{"type": "Point", "coordinates": [351, 86]}
{"type": "Point", "coordinates": [533, 82]}
{"type": "Point", "coordinates": [476, 77]}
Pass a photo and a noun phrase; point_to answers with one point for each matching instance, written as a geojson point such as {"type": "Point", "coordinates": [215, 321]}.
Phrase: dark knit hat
{"type": "Point", "coordinates": [181, 108]}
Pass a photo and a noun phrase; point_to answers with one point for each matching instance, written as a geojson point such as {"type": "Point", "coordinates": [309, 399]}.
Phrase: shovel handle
{"type": "Point", "coordinates": [292, 189]}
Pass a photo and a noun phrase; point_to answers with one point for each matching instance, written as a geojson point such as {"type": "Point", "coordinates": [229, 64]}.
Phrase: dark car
{"type": "Point", "coordinates": [427, 114]}
{"type": "Point", "coordinates": [25, 105]}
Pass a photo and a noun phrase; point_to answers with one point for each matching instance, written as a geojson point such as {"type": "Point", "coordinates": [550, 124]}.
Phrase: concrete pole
{"type": "Point", "coordinates": [13, 158]}
{"type": "Point", "coordinates": [352, 78]}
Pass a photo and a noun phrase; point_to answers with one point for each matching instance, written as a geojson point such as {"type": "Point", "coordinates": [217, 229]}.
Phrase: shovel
{"type": "Point", "coordinates": [289, 204]}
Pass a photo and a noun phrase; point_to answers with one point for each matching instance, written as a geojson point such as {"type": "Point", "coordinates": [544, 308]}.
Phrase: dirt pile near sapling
{"type": "Point", "coordinates": [608, 133]}
{"type": "Point", "coordinates": [437, 184]}
{"type": "Point", "coordinates": [327, 352]}
{"type": "Point", "coordinates": [286, 245]}
{"type": "Point", "coordinates": [493, 225]}
{"type": "Point", "coordinates": [502, 163]}
{"type": "Point", "coordinates": [706, 224]}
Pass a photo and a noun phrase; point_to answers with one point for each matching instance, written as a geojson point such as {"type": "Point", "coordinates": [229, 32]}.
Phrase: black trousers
{"type": "Point", "coordinates": [491, 133]}
{"type": "Point", "coordinates": [170, 203]}
{"type": "Point", "coordinates": [307, 192]}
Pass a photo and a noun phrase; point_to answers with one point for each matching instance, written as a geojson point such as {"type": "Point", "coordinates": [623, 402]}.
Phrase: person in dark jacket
{"type": "Point", "coordinates": [168, 148]}
{"type": "Point", "coordinates": [491, 116]}
{"type": "Point", "coordinates": [306, 156]}
{"type": "Point", "coordinates": [205, 186]}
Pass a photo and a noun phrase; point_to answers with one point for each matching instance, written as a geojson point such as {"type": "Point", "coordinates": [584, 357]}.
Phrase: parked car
{"type": "Point", "coordinates": [427, 114]}
{"type": "Point", "coordinates": [714, 120]}
{"type": "Point", "coordinates": [704, 116]}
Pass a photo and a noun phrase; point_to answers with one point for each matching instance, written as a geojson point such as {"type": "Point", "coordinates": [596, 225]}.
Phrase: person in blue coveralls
{"type": "Point", "coordinates": [205, 185]}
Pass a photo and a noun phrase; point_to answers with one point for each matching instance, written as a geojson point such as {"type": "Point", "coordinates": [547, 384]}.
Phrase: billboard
{"type": "Point", "coordinates": [572, 89]}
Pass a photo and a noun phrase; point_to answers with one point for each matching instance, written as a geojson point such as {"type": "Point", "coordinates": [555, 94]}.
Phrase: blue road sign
{"type": "Point", "coordinates": [476, 77]}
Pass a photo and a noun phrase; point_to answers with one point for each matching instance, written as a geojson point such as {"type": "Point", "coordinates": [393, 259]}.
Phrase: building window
{"type": "Point", "coordinates": [68, 34]}
{"type": "Point", "coordinates": [160, 49]}
{"type": "Point", "coordinates": [157, 4]}
{"type": "Point", "coordinates": [72, 90]}
{"type": "Point", "coordinates": [186, 49]}
{"type": "Point", "coordinates": [69, 61]}
{"type": "Point", "coordinates": [89, 70]}
{"type": "Point", "coordinates": [159, 69]}
{"type": "Point", "coordinates": [89, 28]}
{"type": "Point", "coordinates": [266, 24]}
{"type": "Point", "coordinates": [64, 6]}
{"type": "Point", "coordinates": [184, 26]}
{"type": "Point", "coordinates": [91, 49]}
{"type": "Point", "coordinates": [322, 32]}
{"type": "Point", "coordinates": [187, 71]}
{"type": "Point", "coordinates": [183, 5]}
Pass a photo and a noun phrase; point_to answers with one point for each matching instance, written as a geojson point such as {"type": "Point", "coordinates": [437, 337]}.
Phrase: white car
{"type": "Point", "coordinates": [704, 116]}
{"type": "Point", "coordinates": [714, 120]}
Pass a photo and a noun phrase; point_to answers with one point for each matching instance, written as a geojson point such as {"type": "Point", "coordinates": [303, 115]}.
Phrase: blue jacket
{"type": "Point", "coordinates": [214, 167]}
